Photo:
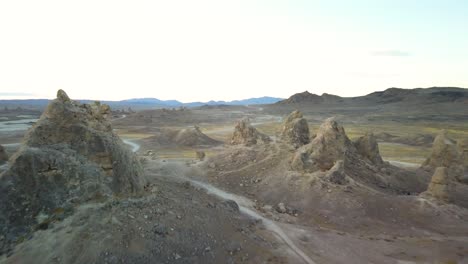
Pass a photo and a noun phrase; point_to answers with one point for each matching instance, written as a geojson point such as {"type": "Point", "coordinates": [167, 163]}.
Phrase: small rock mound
{"type": "Point", "coordinates": [246, 134]}
{"type": "Point", "coordinates": [3, 155]}
{"type": "Point", "coordinates": [329, 146]}
{"type": "Point", "coordinates": [296, 130]}
{"type": "Point", "coordinates": [440, 187]}
{"type": "Point", "coordinates": [446, 153]}
{"type": "Point", "coordinates": [191, 137]}
{"type": "Point", "coordinates": [368, 148]}
{"type": "Point", "coordinates": [71, 155]}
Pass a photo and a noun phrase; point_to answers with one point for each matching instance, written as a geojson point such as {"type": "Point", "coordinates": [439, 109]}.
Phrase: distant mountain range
{"type": "Point", "coordinates": [144, 103]}
{"type": "Point", "coordinates": [389, 96]}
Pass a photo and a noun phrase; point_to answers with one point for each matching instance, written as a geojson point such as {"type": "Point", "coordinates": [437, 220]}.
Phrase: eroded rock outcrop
{"type": "Point", "coordinates": [332, 156]}
{"type": "Point", "coordinates": [441, 186]}
{"type": "Point", "coordinates": [368, 148]}
{"type": "Point", "coordinates": [296, 130]}
{"type": "Point", "coordinates": [71, 155]}
{"type": "Point", "coordinates": [337, 173]}
{"type": "Point", "coordinates": [446, 153]}
{"type": "Point", "coordinates": [329, 146]}
{"type": "Point", "coordinates": [246, 134]}
{"type": "Point", "coordinates": [3, 155]}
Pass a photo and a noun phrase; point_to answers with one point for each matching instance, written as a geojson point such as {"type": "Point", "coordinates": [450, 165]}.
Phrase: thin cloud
{"type": "Point", "coordinates": [391, 53]}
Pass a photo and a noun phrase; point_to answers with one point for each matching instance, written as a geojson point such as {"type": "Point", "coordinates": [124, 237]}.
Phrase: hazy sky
{"type": "Point", "coordinates": [198, 50]}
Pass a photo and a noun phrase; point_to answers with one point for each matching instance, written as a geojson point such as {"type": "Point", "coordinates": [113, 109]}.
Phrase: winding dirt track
{"type": "Point", "coordinates": [246, 206]}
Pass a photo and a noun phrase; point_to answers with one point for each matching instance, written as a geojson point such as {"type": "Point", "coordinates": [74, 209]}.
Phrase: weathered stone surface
{"type": "Point", "coordinates": [368, 148]}
{"type": "Point", "coordinates": [200, 155]}
{"type": "Point", "coordinates": [447, 153]}
{"type": "Point", "coordinates": [3, 155]}
{"type": "Point", "coordinates": [296, 130]}
{"type": "Point", "coordinates": [329, 146]}
{"type": "Point", "coordinates": [441, 186]}
{"type": "Point", "coordinates": [246, 134]}
{"type": "Point", "coordinates": [337, 173]}
{"type": "Point", "coordinates": [71, 155]}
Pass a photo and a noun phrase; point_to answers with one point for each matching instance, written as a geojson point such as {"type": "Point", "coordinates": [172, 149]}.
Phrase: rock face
{"type": "Point", "coordinates": [446, 153]}
{"type": "Point", "coordinates": [246, 134]}
{"type": "Point", "coordinates": [440, 186]}
{"type": "Point", "coordinates": [329, 146]}
{"type": "Point", "coordinates": [71, 155]}
{"type": "Point", "coordinates": [368, 148]}
{"type": "Point", "coordinates": [3, 155]}
{"type": "Point", "coordinates": [337, 173]}
{"type": "Point", "coordinates": [296, 130]}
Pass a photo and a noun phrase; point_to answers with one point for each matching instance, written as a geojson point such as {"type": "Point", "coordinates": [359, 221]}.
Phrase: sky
{"type": "Point", "coordinates": [225, 50]}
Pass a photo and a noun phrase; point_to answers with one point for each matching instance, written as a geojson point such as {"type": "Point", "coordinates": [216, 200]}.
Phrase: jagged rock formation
{"type": "Point", "coordinates": [326, 148]}
{"type": "Point", "coordinates": [446, 153]}
{"type": "Point", "coordinates": [441, 186]}
{"type": "Point", "coordinates": [368, 148]}
{"type": "Point", "coordinates": [332, 152]}
{"type": "Point", "coordinates": [296, 130]}
{"type": "Point", "coordinates": [246, 134]}
{"type": "Point", "coordinates": [71, 155]}
{"type": "Point", "coordinates": [3, 155]}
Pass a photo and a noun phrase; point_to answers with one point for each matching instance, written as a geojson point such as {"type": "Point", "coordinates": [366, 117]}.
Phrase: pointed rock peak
{"type": "Point", "coordinates": [445, 153]}
{"type": "Point", "coordinates": [294, 114]}
{"type": "Point", "coordinates": [296, 130]}
{"type": "Point", "coordinates": [443, 139]}
{"type": "Point", "coordinates": [62, 96]}
{"type": "Point", "coordinates": [368, 147]}
{"type": "Point", "coordinates": [246, 134]}
{"type": "Point", "coordinates": [440, 186]}
{"type": "Point", "coordinates": [331, 126]}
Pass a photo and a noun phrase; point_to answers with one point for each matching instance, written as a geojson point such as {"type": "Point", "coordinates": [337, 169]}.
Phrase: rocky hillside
{"type": "Point", "coordinates": [391, 95]}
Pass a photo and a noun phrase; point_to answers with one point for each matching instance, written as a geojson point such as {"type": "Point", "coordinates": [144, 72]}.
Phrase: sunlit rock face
{"type": "Point", "coordinates": [441, 186]}
{"type": "Point", "coordinates": [296, 130]}
{"type": "Point", "coordinates": [447, 153]}
{"type": "Point", "coordinates": [368, 148]}
{"type": "Point", "coordinates": [246, 134]}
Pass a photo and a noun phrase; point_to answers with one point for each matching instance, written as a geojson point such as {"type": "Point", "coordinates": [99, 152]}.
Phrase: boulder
{"type": "Point", "coordinates": [296, 130]}
{"type": "Point", "coordinates": [246, 134]}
